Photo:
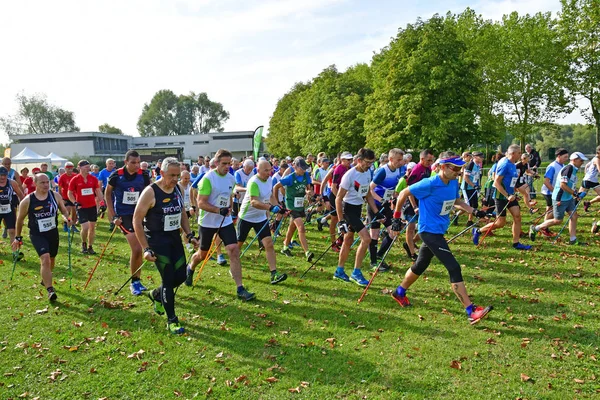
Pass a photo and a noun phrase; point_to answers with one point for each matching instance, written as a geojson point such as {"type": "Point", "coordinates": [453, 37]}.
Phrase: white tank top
{"type": "Point", "coordinates": [591, 172]}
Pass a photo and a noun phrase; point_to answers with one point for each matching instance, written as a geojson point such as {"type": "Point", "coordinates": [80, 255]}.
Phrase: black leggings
{"type": "Point", "coordinates": [436, 245]}
{"type": "Point", "coordinates": [170, 262]}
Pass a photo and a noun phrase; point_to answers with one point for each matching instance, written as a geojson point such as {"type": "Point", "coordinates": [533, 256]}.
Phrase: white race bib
{"type": "Point", "coordinates": [447, 207]}
{"type": "Point", "coordinates": [513, 182]}
{"type": "Point", "coordinates": [46, 224]}
{"type": "Point", "coordinates": [223, 201]}
{"type": "Point", "coordinates": [387, 195]}
{"type": "Point", "coordinates": [172, 222]}
{"type": "Point", "coordinates": [87, 192]}
{"type": "Point", "coordinates": [131, 197]}
{"type": "Point", "coordinates": [363, 190]}
{"type": "Point", "coordinates": [4, 208]}
{"type": "Point", "coordinates": [298, 201]}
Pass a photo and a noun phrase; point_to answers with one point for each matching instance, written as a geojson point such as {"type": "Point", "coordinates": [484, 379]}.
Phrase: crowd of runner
{"type": "Point", "coordinates": [378, 199]}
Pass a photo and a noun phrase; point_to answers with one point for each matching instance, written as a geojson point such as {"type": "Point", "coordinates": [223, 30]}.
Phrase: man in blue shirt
{"type": "Point", "coordinates": [437, 196]}
{"type": "Point", "coordinates": [506, 198]}
{"type": "Point", "coordinates": [565, 199]}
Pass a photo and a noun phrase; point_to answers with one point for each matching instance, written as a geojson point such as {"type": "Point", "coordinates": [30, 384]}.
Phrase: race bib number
{"type": "Point", "coordinates": [475, 179]}
{"type": "Point", "coordinates": [513, 182]}
{"type": "Point", "coordinates": [447, 207]}
{"type": "Point", "coordinates": [387, 195]}
{"type": "Point", "coordinates": [87, 192]}
{"type": "Point", "coordinates": [363, 190]}
{"type": "Point", "coordinates": [46, 224]}
{"type": "Point", "coordinates": [298, 201]}
{"type": "Point", "coordinates": [131, 197]}
{"type": "Point", "coordinates": [4, 208]}
{"type": "Point", "coordinates": [172, 222]}
{"type": "Point", "coordinates": [223, 201]}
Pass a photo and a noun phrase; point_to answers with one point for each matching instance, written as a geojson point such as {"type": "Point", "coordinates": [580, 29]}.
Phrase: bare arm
{"type": "Point", "coordinates": [23, 210]}
{"type": "Point", "coordinates": [145, 203]}
{"type": "Point", "coordinates": [17, 189]}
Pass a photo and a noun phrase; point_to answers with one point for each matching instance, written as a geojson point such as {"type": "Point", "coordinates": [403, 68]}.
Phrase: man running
{"type": "Point", "coordinates": [506, 198]}
{"type": "Point", "coordinates": [85, 194]}
{"type": "Point", "coordinates": [437, 197]}
{"type": "Point", "coordinates": [63, 188]}
{"type": "Point", "coordinates": [345, 161]}
{"type": "Point", "coordinates": [258, 201]}
{"type": "Point", "coordinates": [352, 194]}
{"type": "Point", "coordinates": [158, 216]}
{"type": "Point", "coordinates": [124, 187]}
{"type": "Point", "coordinates": [41, 207]}
{"type": "Point", "coordinates": [471, 182]}
{"type": "Point", "coordinates": [214, 202]}
{"type": "Point", "coordinates": [590, 180]}
{"type": "Point", "coordinates": [9, 188]}
{"type": "Point", "coordinates": [565, 198]}
{"type": "Point", "coordinates": [552, 173]}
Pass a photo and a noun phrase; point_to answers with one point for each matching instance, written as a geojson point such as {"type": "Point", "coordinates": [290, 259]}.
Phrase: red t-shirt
{"type": "Point", "coordinates": [85, 192]}
{"type": "Point", "coordinates": [28, 182]}
{"type": "Point", "coordinates": [338, 172]}
{"type": "Point", "coordinates": [63, 182]}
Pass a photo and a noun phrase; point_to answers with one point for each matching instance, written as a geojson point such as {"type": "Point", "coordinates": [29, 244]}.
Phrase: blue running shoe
{"type": "Point", "coordinates": [189, 276]}
{"type": "Point", "coordinates": [341, 275]}
{"type": "Point", "coordinates": [476, 235]}
{"type": "Point", "coordinates": [520, 246]}
{"type": "Point", "coordinates": [175, 328]}
{"type": "Point", "coordinates": [295, 244]}
{"type": "Point", "coordinates": [358, 278]}
{"type": "Point", "coordinates": [221, 260]}
{"type": "Point", "coordinates": [137, 288]}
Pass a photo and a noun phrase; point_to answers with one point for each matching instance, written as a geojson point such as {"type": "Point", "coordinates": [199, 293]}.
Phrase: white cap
{"type": "Point", "coordinates": [577, 155]}
{"type": "Point", "coordinates": [346, 155]}
{"type": "Point", "coordinates": [411, 165]}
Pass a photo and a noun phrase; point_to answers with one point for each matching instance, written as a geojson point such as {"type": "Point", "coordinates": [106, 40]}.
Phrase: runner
{"type": "Point", "coordinates": [103, 178]}
{"type": "Point", "coordinates": [124, 187]}
{"type": "Point", "coordinates": [242, 176]}
{"type": "Point", "coordinates": [437, 196]}
{"type": "Point", "coordinates": [506, 199]}
{"type": "Point", "coordinates": [471, 182]}
{"type": "Point", "coordinates": [156, 221]}
{"type": "Point", "coordinates": [41, 207]}
{"type": "Point", "coordinates": [590, 180]}
{"type": "Point", "coordinates": [522, 185]}
{"type": "Point", "coordinates": [352, 194]}
{"type": "Point", "coordinates": [259, 200]}
{"type": "Point", "coordinates": [345, 161]}
{"type": "Point", "coordinates": [9, 188]}
{"type": "Point", "coordinates": [63, 188]}
{"type": "Point", "coordinates": [552, 172]}
{"type": "Point", "coordinates": [85, 194]}
{"type": "Point", "coordinates": [297, 186]}
{"type": "Point", "coordinates": [214, 201]}
{"type": "Point", "coordinates": [279, 196]}
{"type": "Point", "coordinates": [382, 187]}
{"type": "Point", "coordinates": [565, 198]}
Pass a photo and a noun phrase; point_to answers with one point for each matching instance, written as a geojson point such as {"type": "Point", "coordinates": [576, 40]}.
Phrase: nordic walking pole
{"type": "Point", "coordinates": [131, 277]}
{"type": "Point", "coordinates": [69, 252]}
{"type": "Point", "coordinates": [15, 259]}
{"type": "Point", "coordinates": [493, 224]}
{"type": "Point", "coordinates": [535, 221]}
{"type": "Point", "coordinates": [321, 256]}
{"type": "Point", "coordinates": [458, 213]}
{"type": "Point", "coordinates": [100, 259]}
{"type": "Point", "coordinates": [213, 248]}
{"type": "Point", "coordinates": [369, 225]}
{"type": "Point", "coordinates": [279, 226]}
{"type": "Point", "coordinates": [568, 219]}
{"type": "Point", "coordinates": [256, 237]}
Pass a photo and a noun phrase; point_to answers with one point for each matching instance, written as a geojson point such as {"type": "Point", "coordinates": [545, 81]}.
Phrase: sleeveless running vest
{"type": "Point", "coordinates": [6, 198]}
{"type": "Point", "coordinates": [165, 216]}
{"type": "Point", "coordinates": [295, 193]}
{"type": "Point", "coordinates": [127, 191]}
{"type": "Point", "coordinates": [43, 214]}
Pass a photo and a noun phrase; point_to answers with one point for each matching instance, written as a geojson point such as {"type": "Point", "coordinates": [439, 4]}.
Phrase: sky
{"type": "Point", "coordinates": [104, 59]}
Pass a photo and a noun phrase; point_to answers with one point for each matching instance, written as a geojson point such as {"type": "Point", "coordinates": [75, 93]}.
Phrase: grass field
{"type": "Point", "coordinates": [309, 339]}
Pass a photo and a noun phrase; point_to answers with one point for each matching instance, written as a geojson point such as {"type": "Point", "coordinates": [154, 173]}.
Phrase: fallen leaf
{"type": "Point", "coordinates": [93, 370]}
{"type": "Point", "coordinates": [77, 324]}
{"type": "Point", "coordinates": [578, 380]}
{"type": "Point", "coordinates": [294, 390]}
{"type": "Point", "coordinates": [525, 378]}
{"type": "Point", "coordinates": [456, 365]}
{"type": "Point", "coordinates": [124, 333]}
{"type": "Point", "coordinates": [43, 311]}
{"type": "Point", "coordinates": [272, 379]}
{"type": "Point", "coordinates": [241, 378]}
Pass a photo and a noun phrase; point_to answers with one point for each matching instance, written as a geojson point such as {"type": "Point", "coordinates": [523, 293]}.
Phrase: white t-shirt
{"type": "Point", "coordinates": [591, 172]}
{"type": "Point", "coordinates": [262, 190]}
{"type": "Point", "coordinates": [241, 178]}
{"type": "Point", "coordinates": [218, 188]}
{"type": "Point", "coordinates": [357, 185]}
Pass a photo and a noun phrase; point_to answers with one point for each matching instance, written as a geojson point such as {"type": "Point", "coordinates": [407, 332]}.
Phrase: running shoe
{"type": "Point", "coordinates": [407, 249]}
{"type": "Point", "coordinates": [521, 246]}
{"type": "Point", "coordinates": [221, 260]}
{"type": "Point", "coordinates": [286, 251]}
{"type": "Point", "coordinates": [358, 278]}
{"type": "Point", "coordinates": [335, 248]}
{"type": "Point", "coordinates": [52, 294]}
{"type": "Point", "coordinates": [20, 256]}
{"type": "Point", "coordinates": [319, 224]}
{"type": "Point", "coordinates": [476, 233]}
{"type": "Point", "coordinates": [309, 216]}
{"type": "Point", "coordinates": [309, 256]}
{"type": "Point", "coordinates": [84, 249]}
{"type": "Point", "coordinates": [341, 276]}
{"type": "Point", "coordinates": [469, 223]}
{"type": "Point", "coordinates": [175, 328]}
{"type": "Point", "coordinates": [532, 233]}
{"type": "Point", "coordinates": [547, 233]}
{"type": "Point", "coordinates": [276, 278]}
{"type": "Point", "coordinates": [158, 307]}
{"type": "Point", "coordinates": [245, 295]}
{"type": "Point", "coordinates": [577, 243]}
{"type": "Point", "coordinates": [595, 227]}
{"type": "Point", "coordinates": [586, 206]}
{"type": "Point", "coordinates": [479, 313]}
{"type": "Point", "coordinates": [384, 267]}
{"type": "Point", "coordinates": [294, 244]}
{"type": "Point", "coordinates": [91, 250]}
{"type": "Point", "coordinates": [189, 275]}
{"type": "Point", "coordinates": [137, 288]}
{"type": "Point", "coordinates": [402, 300]}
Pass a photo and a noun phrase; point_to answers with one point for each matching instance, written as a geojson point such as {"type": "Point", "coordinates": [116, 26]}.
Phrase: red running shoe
{"type": "Point", "coordinates": [479, 313]}
{"type": "Point", "coordinates": [403, 301]}
{"type": "Point", "coordinates": [546, 232]}
{"type": "Point", "coordinates": [335, 248]}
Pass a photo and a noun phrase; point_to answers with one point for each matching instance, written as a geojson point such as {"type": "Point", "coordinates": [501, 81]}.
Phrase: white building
{"type": "Point", "coordinates": [97, 146]}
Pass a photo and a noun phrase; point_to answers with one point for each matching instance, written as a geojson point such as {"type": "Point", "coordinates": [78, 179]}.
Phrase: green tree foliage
{"type": "Point", "coordinates": [37, 116]}
{"type": "Point", "coordinates": [425, 90]}
{"type": "Point", "coordinates": [281, 125]}
{"type": "Point", "coordinates": [169, 114]}
{"type": "Point", "coordinates": [579, 25]}
{"type": "Point", "coordinates": [574, 137]}
{"type": "Point", "coordinates": [106, 128]}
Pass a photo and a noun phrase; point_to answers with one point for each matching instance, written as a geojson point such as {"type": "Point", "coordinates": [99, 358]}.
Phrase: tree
{"type": "Point", "coordinates": [425, 90]}
{"type": "Point", "coordinates": [37, 116]}
{"type": "Point", "coordinates": [158, 117]}
{"type": "Point", "coordinates": [106, 128]}
{"type": "Point", "coordinates": [209, 115]}
{"type": "Point", "coordinates": [579, 24]}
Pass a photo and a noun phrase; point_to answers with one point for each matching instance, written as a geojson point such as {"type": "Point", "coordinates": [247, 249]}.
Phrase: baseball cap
{"type": "Point", "coordinates": [35, 170]}
{"type": "Point", "coordinates": [346, 155]}
{"type": "Point", "coordinates": [3, 171]}
{"type": "Point", "coordinates": [83, 163]}
{"type": "Point", "coordinates": [577, 155]}
{"type": "Point", "coordinates": [69, 164]}
{"type": "Point", "coordinates": [327, 160]}
{"type": "Point", "coordinates": [300, 163]}
{"type": "Point", "coordinates": [477, 154]}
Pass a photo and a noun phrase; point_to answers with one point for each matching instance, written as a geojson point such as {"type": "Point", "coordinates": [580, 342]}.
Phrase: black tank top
{"type": "Point", "coordinates": [43, 214]}
{"type": "Point", "coordinates": [6, 193]}
{"type": "Point", "coordinates": [165, 216]}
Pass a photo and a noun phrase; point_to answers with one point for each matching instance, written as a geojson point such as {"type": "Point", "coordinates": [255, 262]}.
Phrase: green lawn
{"type": "Point", "coordinates": [309, 338]}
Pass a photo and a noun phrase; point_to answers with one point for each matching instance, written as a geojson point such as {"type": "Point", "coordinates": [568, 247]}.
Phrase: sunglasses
{"type": "Point", "coordinates": [454, 167]}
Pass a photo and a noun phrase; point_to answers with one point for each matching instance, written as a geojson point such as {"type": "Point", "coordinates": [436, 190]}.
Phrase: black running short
{"type": "Point", "coordinates": [387, 211]}
{"type": "Point", "coordinates": [548, 198]}
{"type": "Point", "coordinates": [126, 224]}
{"type": "Point", "coordinates": [89, 214]}
{"type": "Point", "coordinates": [472, 198]}
{"type": "Point", "coordinates": [226, 233]}
{"type": "Point", "coordinates": [260, 228]}
{"type": "Point", "coordinates": [9, 219]}
{"type": "Point", "coordinates": [235, 209]}
{"type": "Point", "coordinates": [501, 206]}
{"type": "Point", "coordinates": [353, 216]}
{"type": "Point", "coordinates": [589, 184]}
{"type": "Point", "coordinates": [68, 203]}
{"type": "Point", "coordinates": [46, 243]}
{"type": "Point", "coordinates": [297, 214]}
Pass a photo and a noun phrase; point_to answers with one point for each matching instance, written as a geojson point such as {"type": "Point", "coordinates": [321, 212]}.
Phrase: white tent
{"type": "Point", "coordinates": [57, 160]}
{"type": "Point", "coordinates": [28, 158]}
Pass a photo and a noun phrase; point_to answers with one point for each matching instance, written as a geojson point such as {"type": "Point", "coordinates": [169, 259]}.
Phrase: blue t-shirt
{"type": "Point", "coordinates": [289, 179]}
{"type": "Point", "coordinates": [473, 171]}
{"type": "Point", "coordinates": [568, 175]}
{"type": "Point", "coordinates": [508, 171]}
{"type": "Point", "coordinates": [386, 181]}
{"type": "Point", "coordinates": [197, 180]}
{"type": "Point", "coordinates": [103, 176]}
{"type": "Point", "coordinates": [436, 200]}
{"type": "Point", "coordinates": [552, 172]}
{"type": "Point", "coordinates": [96, 174]}
{"type": "Point", "coordinates": [193, 176]}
